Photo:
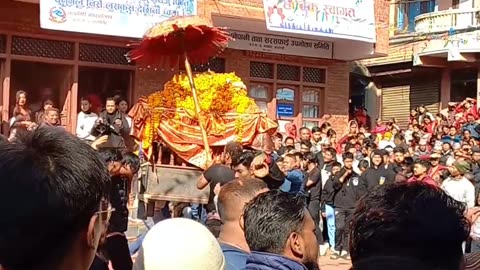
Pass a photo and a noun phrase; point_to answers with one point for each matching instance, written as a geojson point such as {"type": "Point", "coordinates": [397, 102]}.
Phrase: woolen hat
{"type": "Point", "coordinates": [180, 244]}
{"type": "Point", "coordinates": [462, 166]}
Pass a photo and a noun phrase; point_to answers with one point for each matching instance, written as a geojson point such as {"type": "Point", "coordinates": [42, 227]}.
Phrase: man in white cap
{"type": "Point", "coordinates": [179, 244]}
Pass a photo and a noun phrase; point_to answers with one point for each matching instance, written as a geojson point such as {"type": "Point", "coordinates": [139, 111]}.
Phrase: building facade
{"type": "Point", "coordinates": [432, 58]}
{"type": "Point", "coordinates": [296, 84]}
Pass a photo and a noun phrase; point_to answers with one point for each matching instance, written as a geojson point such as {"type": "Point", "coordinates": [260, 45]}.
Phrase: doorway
{"type": "Point", "coordinates": [41, 81]}
{"type": "Point", "coordinates": [463, 84]}
{"type": "Point", "coordinates": [103, 83]}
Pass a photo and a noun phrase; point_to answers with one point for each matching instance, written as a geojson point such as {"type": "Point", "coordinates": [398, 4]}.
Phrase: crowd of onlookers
{"type": "Point", "coordinates": [93, 121]}
{"type": "Point", "coordinates": [61, 197]}
{"type": "Point", "coordinates": [387, 197]}
{"type": "Point", "coordinates": [331, 173]}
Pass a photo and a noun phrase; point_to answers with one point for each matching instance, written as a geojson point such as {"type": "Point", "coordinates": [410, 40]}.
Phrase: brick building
{"type": "Point", "coordinates": [305, 83]}
{"type": "Point", "coordinates": [432, 58]}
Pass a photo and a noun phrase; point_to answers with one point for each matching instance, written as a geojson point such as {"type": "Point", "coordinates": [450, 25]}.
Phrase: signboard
{"type": "Point", "coordinates": [280, 45]}
{"type": "Point", "coordinates": [123, 18]}
{"type": "Point", "coordinates": [285, 110]}
{"type": "Point", "coordinates": [347, 19]}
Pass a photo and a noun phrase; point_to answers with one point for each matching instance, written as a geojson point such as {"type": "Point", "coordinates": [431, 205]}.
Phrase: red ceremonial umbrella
{"type": "Point", "coordinates": [192, 38]}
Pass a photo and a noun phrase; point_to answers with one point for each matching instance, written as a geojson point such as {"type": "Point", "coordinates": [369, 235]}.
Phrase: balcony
{"type": "Point", "coordinates": [447, 20]}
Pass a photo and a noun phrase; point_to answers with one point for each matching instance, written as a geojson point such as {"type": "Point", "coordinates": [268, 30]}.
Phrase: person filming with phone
{"type": "Point", "coordinates": [113, 124]}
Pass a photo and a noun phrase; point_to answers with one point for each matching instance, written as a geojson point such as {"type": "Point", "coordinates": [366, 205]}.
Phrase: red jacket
{"type": "Point", "coordinates": [427, 179]}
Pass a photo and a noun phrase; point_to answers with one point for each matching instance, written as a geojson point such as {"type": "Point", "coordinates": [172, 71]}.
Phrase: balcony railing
{"type": "Point", "coordinates": [442, 21]}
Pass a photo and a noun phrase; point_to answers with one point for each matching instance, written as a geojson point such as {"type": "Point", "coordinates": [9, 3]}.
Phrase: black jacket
{"type": "Point", "coordinates": [346, 194]}
{"type": "Point", "coordinates": [327, 189]}
{"type": "Point", "coordinates": [328, 193]}
{"type": "Point", "coordinates": [275, 177]}
{"type": "Point", "coordinates": [118, 137]}
{"type": "Point", "coordinates": [119, 200]}
{"type": "Point", "coordinates": [375, 176]}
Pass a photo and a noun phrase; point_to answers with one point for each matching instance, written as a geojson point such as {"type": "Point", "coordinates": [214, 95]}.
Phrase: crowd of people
{"type": "Point", "coordinates": [61, 197]}
{"type": "Point", "coordinates": [110, 121]}
{"type": "Point", "coordinates": [381, 197]}
{"type": "Point", "coordinates": [332, 173]}
{"type": "Point", "coordinates": [106, 132]}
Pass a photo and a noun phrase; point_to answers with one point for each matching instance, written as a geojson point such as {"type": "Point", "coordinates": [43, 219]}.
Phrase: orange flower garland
{"type": "Point", "coordinates": [218, 93]}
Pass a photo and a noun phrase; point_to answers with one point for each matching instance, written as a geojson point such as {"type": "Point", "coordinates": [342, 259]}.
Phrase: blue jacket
{"type": "Point", "coordinates": [473, 128]}
{"type": "Point", "coordinates": [294, 182]}
{"type": "Point", "coordinates": [268, 261]}
{"type": "Point", "coordinates": [235, 258]}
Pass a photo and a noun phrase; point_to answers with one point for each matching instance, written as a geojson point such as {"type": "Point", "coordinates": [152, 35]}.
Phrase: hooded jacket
{"type": "Point", "coordinates": [268, 261]}
{"type": "Point", "coordinates": [377, 175]}
{"type": "Point", "coordinates": [346, 194]}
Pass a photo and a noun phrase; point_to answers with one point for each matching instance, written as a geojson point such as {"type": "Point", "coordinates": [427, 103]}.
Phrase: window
{"type": "Point", "coordinates": [285, 102]}
{"type": "Point", "coordinates": [407, 10]}
{"type": "Point", "coordinates": [216, 64]}
{"type": "Point", "coordinates": [311, 105]}
{"type": "Point", "coordinates": [295, 90]}
{"type": "Point", "coordinates": [310, 124]}
{"type": "Point", "coordinates": [259, 92]}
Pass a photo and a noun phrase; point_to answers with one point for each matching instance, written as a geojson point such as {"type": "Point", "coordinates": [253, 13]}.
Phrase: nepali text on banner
{"type": "Point", "coordinates": [346, 19]}
{"type": "Point", "coordinates": [124, 18]}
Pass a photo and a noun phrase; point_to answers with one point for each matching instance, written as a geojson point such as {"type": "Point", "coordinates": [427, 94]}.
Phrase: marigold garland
{"type": "Point", "coordinates": [218, 93]}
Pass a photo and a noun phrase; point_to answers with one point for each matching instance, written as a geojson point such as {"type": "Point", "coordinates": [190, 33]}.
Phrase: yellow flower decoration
{"type": "Point", "coordinates": [218, 93]}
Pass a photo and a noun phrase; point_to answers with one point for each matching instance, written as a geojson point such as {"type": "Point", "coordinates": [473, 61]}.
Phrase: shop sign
{"type": "Point", "coordinates": [123, 18]}
{"type": "Point", "coordinates": [347, 19]}
{"type": "Point", "coordinates": [280, 45]}
{"type": "Point", "coordinates": [285, 110]}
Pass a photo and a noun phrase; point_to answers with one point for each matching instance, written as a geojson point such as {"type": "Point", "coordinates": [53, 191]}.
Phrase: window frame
{"type": "Point", "coordinates": [268, 93]}
{"type": "Point", "coordinates": [403, 9]}
{"type": "Point", "coordinates": [273, 84]}
{"type": "Point", "coordinates": [321, 95]}
{"type": "Point", "coordinates": [293, 102]}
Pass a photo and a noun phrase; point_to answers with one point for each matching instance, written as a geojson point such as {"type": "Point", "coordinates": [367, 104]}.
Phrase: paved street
{"type": "Point", "coordinates": [327, 264]}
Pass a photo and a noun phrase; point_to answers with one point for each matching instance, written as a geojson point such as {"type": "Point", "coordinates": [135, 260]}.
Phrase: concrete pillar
{"type": "Point", "coordinates": [445, 88]}
{"type": "Point", "coordinates": [373, 102]}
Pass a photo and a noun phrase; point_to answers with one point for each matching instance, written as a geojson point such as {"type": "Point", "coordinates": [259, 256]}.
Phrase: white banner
{"type": "Point", "coordinates": [347, 19]}
{"type": "Point", "coordinates": [280, 45]}
{"type": "Point", "coordinates": [124, 18]}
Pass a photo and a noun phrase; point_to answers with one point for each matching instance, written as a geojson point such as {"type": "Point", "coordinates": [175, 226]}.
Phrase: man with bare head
{"type": "Point", "coordinates": [232, 198]}
{"type": "Point", "coordinates": [51, 117]}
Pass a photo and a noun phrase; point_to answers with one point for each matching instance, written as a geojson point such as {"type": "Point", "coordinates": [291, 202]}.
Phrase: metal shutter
{"type": "Point", "coordinates": [426, 92]}
{"type": "Point", "coordinates": [396, 104]}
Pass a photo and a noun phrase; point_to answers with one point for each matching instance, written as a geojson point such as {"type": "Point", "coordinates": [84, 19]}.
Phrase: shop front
{"type": "Point", "coordinates": [408, 90]}
{"type": "Point", "coordinates": [58, 66]}
{"type": "Point", "coordinates": [295, 75]}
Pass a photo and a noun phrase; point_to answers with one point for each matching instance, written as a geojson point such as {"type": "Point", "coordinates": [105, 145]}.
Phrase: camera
{"type": "Point", "coordinates": [103, 129]}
